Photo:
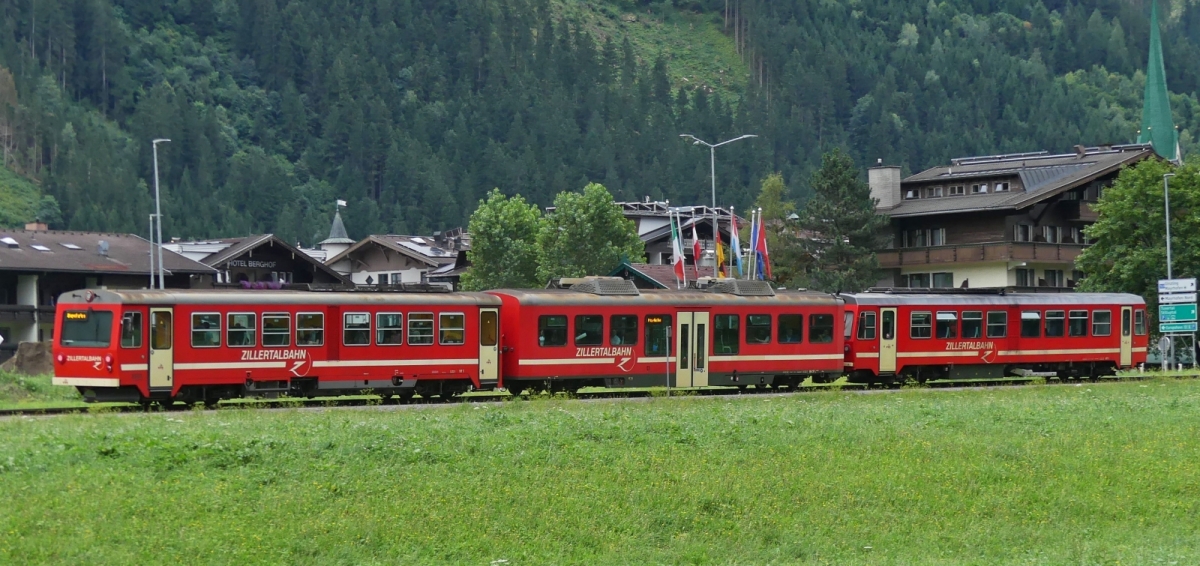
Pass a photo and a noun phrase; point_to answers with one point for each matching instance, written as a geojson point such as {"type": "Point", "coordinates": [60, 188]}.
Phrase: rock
{"type": "Point", "coordinates": [33, 358]}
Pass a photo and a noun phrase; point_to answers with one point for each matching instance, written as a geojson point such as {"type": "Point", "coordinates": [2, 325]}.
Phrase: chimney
{"type": "Point", "coordinates": [37, 224]}
{"type": "Point", "coordinates": [885, 185]}
{"type": "Point", "coordinates": [1080, 151]}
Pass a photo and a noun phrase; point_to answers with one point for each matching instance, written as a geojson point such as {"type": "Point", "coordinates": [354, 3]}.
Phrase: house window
{"type": "Point", "coordinates": [1022, 232]}
{"type": "Point", "coordinates": [1026, 278]}
{"type": "Point", "coordinates": [979, 189]}
{"type": "Point", "coordinates": [1054, 278]}
{"type": "Point", "coordinates": [956, 190]}
{"type": "Point", "coordinates": [1052, 234]}
{"type": "Point", "coordinates": [943, 280]}
{"type": "Point", "coordinates": [1076, 277]}
{"type": "Point", "coordinates": [937, 237]}
{"type": "Point", "coordinates": [933, 192]}
{"type": "Point", "coordinates": [1001, 187]}
{"type": "Point", "coordinates": [918, 280]}
{"type": "Point", "coordinates": [1076, 236]}
{"type": "Point", "coordinates": [912, 194]}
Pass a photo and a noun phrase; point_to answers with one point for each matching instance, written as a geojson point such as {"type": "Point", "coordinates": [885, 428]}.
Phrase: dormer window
{"type": "Point", "coordinates": [956, 190]}
{"type": "Point", "coordinates": [1001, 187]}
{"type": "Point", "coordinates": [911, 194]}
{"type": "Point", "coordinates": [933, 192]}
{"type": "Point", "coordinates": [979, 189]}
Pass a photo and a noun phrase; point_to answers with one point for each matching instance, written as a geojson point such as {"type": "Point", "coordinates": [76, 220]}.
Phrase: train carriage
{"type": "Point", "coordinates": [192, 346]}
{"type": "Point", "coordinates": [896, 336]}
{"type": "Point", "coordinates": [606, 333]}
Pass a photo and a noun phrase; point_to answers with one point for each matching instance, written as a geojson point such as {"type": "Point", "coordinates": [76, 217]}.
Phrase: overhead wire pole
{"type": "Point", "coordinates": [712, 164]}
{"type": "Point", "coordinates": [158, 212]}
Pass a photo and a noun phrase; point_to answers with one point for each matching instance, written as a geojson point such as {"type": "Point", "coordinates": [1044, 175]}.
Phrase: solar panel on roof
{"type": "Point", "coordinates": [40, 248]}
{"type": "Point", "coordinates": [71, 246]}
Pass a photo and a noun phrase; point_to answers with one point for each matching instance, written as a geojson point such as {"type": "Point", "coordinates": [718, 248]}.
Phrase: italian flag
{"type": "Point", "coordinates": [677, 252]}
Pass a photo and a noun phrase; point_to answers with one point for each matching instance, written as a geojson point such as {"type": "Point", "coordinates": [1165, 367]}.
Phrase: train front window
{"type": "Point", "coordinates": [206, 330]}
{"type": "Point", "coordinates": [866, 325]}
{"type": "Point", "coordinates": [552, 330]}
{"type": "Point", "coordinates": [131, 330]}
{"type": "Point", "coordinates": [86, 329]}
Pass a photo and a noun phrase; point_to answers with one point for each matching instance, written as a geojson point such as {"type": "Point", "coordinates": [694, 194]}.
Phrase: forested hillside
{"type": "Point", "coordinates": [412, 110]}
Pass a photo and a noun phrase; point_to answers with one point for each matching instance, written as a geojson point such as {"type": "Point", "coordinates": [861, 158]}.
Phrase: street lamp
{"type": "Point", "coordinates": [712, 162]}
{"type": "Point", "coordinates": [158, 211]}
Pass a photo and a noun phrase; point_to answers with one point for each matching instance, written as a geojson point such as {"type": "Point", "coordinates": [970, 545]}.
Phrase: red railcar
{"type": "Point", "coordinates": [605, 333]}
{"type": "Point", "coordinates": [207, 345]}
{"type": "Point", "coordinates": [892, 337]}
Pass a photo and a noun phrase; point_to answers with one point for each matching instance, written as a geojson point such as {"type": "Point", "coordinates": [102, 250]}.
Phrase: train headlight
{"type": "Point", "coordinates": [108, 362]}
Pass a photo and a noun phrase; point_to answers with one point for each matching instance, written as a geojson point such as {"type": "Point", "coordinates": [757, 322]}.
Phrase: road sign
{"type": "Point", "coordinates": [1177, 285]}
{"type": "Point", "coordinates": [1177, 298]}
{"type": "Point", "coordinates": [1177, 313]}
{"type": "Point", "coordinates": [1166, 327]}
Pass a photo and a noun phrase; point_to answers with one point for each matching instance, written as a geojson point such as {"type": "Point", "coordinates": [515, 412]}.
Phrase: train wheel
{"type": "Point", "coordinates": [741, 388]}
{"type": "Point", "coordinates": [166, 404]}
{"type": "Point", "coordinates": [516, 389]}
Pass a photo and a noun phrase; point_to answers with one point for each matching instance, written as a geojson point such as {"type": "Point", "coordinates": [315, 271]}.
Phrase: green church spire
{"type": "Point", "coordinates": [1158, 128]}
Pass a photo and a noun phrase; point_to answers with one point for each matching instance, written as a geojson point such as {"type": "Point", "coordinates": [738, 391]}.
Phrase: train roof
{"type": "Point", "coordinates": [951, 299]}
{"type": "Point", "coordinates": [271, 297]}
{"type": "Point", "coordinates": [686, 297]}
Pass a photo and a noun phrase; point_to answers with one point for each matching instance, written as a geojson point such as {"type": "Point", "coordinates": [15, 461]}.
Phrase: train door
{"type": "Point", "coordinates": [887, 340]}
{"type": "Point", "coordinates": [691, 342]}
{"type": "Point", "coordinates": [489, 353]}
{"type": "Point", "coordinates": [162, 353]}
{"type": "Point", "coordinates": [1126, 337]}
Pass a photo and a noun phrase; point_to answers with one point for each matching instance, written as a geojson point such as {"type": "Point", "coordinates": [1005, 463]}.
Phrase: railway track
{"type": "Point", "coordinates": [490, 397]}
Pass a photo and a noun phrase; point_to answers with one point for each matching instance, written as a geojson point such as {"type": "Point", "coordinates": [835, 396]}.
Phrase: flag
{"type": "Point", "coordinates": [720, 252]}
{"type": "Point", "coordinates": [754, 269]}
{"type": "Point", "coordinates": [677, 252]}
{"type": "Point", "coordinates": [696, 250]}
{"type": "Point", "coordinates": [735, 245]}
{"type": "Point", "coordinates": [341, 202]}
{"type": "Point", "coordinates": [760, 249]}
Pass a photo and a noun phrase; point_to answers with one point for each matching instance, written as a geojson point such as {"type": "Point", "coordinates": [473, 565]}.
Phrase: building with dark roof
{"type": "Point", "coordinates": [389, 259]}
{"type": "Point", "coordinates": [38, 265]}
{"type": "Point", "coordinates": [1012, 221]}
{"type": "Point", "coordinates": [261, 257]}
{"type": "Point", "coordinates": [658, 276]}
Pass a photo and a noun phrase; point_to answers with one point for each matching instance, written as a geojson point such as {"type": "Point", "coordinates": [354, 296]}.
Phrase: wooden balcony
{"type": "Point", "coordinates": [1079, 211]}
{"type": "Point", "coordinates": [988, 251]}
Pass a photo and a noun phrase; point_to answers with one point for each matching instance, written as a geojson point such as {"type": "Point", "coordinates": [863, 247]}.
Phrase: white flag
{"type": "Point", "coordinates": [341, 202]}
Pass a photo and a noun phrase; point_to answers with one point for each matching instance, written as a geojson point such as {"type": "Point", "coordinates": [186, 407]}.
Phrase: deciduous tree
{"type": "Point", "coordinates": [504, 244]}
{"type": "Point", "coordinates": [586, 234]}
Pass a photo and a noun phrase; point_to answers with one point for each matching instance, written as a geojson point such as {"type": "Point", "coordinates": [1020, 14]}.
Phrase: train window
{"type": "Point", "coordinates": [1055, 323]}
{"type": "Point", "coordinates": [658, 335]}
{"type": "Point", "coordinates": [589, 330]}
{"type": "Point", "coordinates": [624, 330]}
{"type": "Point", "coordinates": [89, 329]}
{"type": "Point", "coordinates": [920, 325]}
{"type": "Point", "coordinates": [947, 325]}
{"type": "Point", "coordinates": [820, 329]}
{"type": "Point", "coordinates": [240, 333]}
{"type": "Point", "coordinates": [162, 333]}
{"type": "Point", "coordinates": [420, 329]}
{"type": "Point", "coordinates": [1031, 324]}
{"type": "Point", "coordinates": [489, 328]}
{"type": "Point", "coordinates": [310, 329]}
{"type": "Point", "coordinates": [356, 329]}
{"type": "Point", "coordinates": [791, 328]}
{"type": "Point", "coordinates": [726, 334]}
{"type": "Point", "coordinates": [389, 329]}
{"type": "Point", "coordinates": [888, 332]}
{"type": "Point", "coordinates": [866, 326]}
{"type": "Point", "coordinates": [997, 324]}
{"type": "Point", "coordinates": [131, 330]}
{"type": "Point", "coordinates": [1139, 323]}
{"type": "Point", "coordinates": [1102, 323]}
{"type": "Point", "coordinates": [972, 324]}
{"type": "Point", "coordinates": [847, 324]}
{"type": "Point", "coordinates": [1077, 323]}
{"type": "Point", "coordinates": [552, 330]}
{"type": "Point", "coordinates": [206, 330]}
{"type": "Point", "coordinates": [451, 329]}
{"type": "Point", "coordinates": [277, 329]}
{"type": "Point", "coordinates": [758, 329]}
{"type": "Point", "coordinates": [1125, 323]}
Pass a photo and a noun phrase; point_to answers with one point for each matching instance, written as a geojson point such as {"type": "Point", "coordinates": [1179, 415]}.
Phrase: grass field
{"type": "Point", "coordinates": [26, 392]}
{"type": "Point", "coordinates": [1094, 474]}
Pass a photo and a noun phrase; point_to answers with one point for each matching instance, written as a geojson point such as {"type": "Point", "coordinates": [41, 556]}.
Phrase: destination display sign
{"type": "Point", "coordinates": [1177, 285]}
{"type": "Point", "coordinates": [1177, 313]}
{"type": "Point", "coordinates": [1177, 298]}
{"type": "Point", "coordinates": [1168, 327]}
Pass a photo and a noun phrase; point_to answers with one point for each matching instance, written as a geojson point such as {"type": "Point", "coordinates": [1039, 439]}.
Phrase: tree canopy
{"type": "Point", "coordinates": [586, 234]}
{"type": "Point", "coordinates": [504, 244]}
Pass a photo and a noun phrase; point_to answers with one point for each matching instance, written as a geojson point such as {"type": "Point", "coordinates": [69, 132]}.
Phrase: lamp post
{"type": "Point", "coordinates": [712, 163]}
{"type": "Point", "coordinates": [158, 212]}
{"type": "Point", "coordinates": [1167, 217]}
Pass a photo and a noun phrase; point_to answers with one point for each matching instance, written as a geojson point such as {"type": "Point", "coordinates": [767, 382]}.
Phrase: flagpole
{"type": "Point", "coordinates": [729, 270]}
{"type": "Point", "coordinates": [753, 237]}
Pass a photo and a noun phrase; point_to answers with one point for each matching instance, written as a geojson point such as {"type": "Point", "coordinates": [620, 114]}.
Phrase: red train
{"type": "Point", "coordinates": [203, 346]}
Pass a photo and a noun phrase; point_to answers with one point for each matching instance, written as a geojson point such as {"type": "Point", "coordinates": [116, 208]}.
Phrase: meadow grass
{"type": "Point", "coordinates": [1099, 473]}
{"type": "Point", "coordinates": [19, 391]}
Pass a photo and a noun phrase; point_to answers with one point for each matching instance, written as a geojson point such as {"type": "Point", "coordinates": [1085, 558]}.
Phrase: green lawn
{"type": "Point", "coordinates": [1094, 474]}
{"type": "Point", "coordinates": [28, 392]}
